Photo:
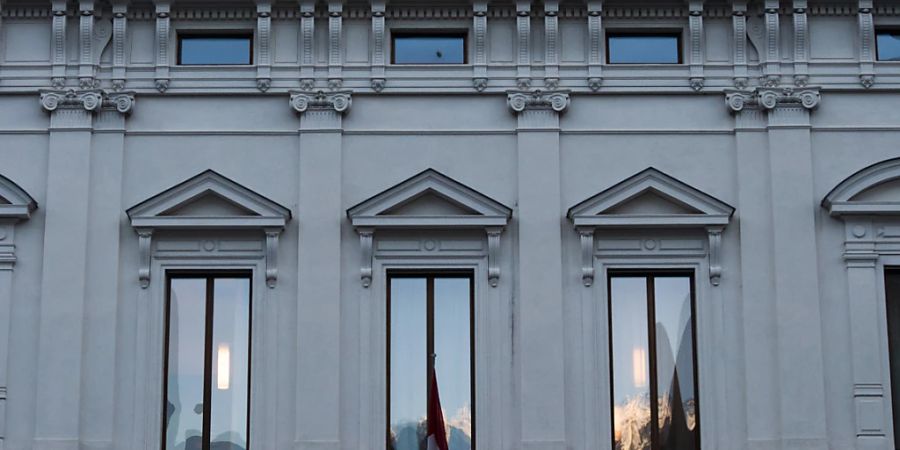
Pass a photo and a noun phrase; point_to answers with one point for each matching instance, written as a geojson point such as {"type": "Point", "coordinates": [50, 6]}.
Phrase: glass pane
{"type": "Point", "coordinates": [452, 347]}
{"type": "Point", "coordinates": [215, 50]}
{"type": "Point", "coordinates": [630, 361]}
{"type": "Point", "coordinates": [429, 50]}
{"type": "Point", "coordinates": [643, 49]}
{"type": "Point", "coordinates": [675, 364]}
{"type": "Point", "coordinates": [888, 46]}
{"type": "Point", "coordinates": [408, 353]}
{"type": "Point", "coordinates": [187, 340]}
{"type": "Point", "coordinates": [230, 364]}
{"type": "Point", "coordinates": [892, 294]}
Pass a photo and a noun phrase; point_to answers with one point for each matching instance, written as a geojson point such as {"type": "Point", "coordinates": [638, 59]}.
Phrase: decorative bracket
{"type": "Point", "coordinates": [307, 51]}
{"type": "Point", "coordinates": [338, 101]}
{"type": "Point", "coordinates": [163, 8]}
{"type": "Point", "coordinates": [272, 256]}
{"type": "Point", "coordinates": [715, 251]}
{"type": "Point", "coordinates": [366, 236]}
{"type": "Point", "coordinates": [801, 44]}
{"type": "Point", "coordinates": [335, 44]}
{"type": "Point", "coordinates": [378, 79]}
{"type": "Point", "coordinates": [120, 10]}
{"type": "Point", "coordinates": [493, 237]}
{"type": "Point", "coordinates": [479, 27]}
{"type": "Point", "coordinates": [866, 42]}
{"type": "Point", "coordinates": [85, 43]}
{"type": "Point", "coordinates": [551, 44]}
{"type": "Point", "coordinates": [58, 74]}
{"type": "Point", "coordinates": [145, 237]}
{"type": "Point", "coordinates": [523, 50]}
{"type": "Point", "coordinates": [520, 100]}
{"type": "Point", "coordinates": [772, 68]}
{"type": "Point", "coordinates": [697, 79]}
{"type": "Point", "coordinates": [770, 98]}
{"type": "Point", "coordinates": [263, 36]}
{"type": "Point", "coordinates": [91, 99]}
{"type": "Point", "coordinates": [587, 255]}
{"type": "Point", "coordinates": [595, 44]}
{"type": "Point", "coordinates": [739, 37]}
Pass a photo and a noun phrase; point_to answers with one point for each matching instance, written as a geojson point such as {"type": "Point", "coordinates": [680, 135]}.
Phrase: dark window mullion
{"type": "Point", "coordinates": [431, 357]}
{"type": "Point", "coordinates": [654, 385]}
{"type": "Point", "coordinates": [207, 379]}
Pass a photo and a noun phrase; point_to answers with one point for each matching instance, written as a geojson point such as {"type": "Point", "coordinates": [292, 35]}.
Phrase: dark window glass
{"type": "Point", "coordinates": [888, 43]}
{"type": "Point", "coordinates": [892, 295]}
{"type": "Point", "coordinates": [207, 363]}
{"type": "Point", "coordinates": [429, 49]}
{"type": "Point", "coordinates": [215, 50]}
{"type": "Point", "coordinates": [644, 49]}
{"type": "Point", "coordinates": [654, 388]}
{"type": "Point", "coordinates": [430, 362]}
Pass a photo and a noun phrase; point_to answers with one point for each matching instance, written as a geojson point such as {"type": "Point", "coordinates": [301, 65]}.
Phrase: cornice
{"type": "Point", "coordinates": [88, 99]}
{"type": "Point", "coordinates": [522, 100]}
{"type": "Point", "coordinates": [770, 98]}
{"type": "Point", "coordinates": [338, 101]}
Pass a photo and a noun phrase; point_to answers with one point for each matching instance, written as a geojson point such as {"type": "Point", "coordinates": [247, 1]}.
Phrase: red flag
{"type": "Point", "coordinates": [437, 436]}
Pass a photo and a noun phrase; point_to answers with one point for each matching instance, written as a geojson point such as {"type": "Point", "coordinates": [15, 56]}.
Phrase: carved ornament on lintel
{"type": "Point", "coordinates": [90, 99]}
{"type": "Point", "coordinates": [521, 100]}
{"type": "Point", "coordinates": [338, 101]}
{"type": "Point", "coordinates": [771, 98]}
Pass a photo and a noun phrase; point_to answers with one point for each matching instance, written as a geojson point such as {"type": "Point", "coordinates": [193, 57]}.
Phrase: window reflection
{"type": "Point", "coordinates": [643, 49]}
{"type": "Point", "coordinates": [208, 355]}
{"type": "Point", "coordinates": [662, 413]}
{"type": "Point", "coordinates": [215, 50]}
{"type": "Point", "coordinates": [888, 44]}
{"type": "Point", "coordinates": [429, 49]}
{"type": "Point", "coordinates": [430, 368]}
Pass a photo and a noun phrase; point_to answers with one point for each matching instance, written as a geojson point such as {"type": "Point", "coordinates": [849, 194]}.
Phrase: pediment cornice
{"type": "Point", "coordinates": [843, 201]}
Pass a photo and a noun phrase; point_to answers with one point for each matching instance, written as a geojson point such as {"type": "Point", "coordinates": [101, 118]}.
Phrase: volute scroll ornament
{"type": "Point", "coordinates": [520, 100]}
{"type": "Point", "coordinates": [339, 101]}
{"type": "Point", "coordinates": [91, 100]}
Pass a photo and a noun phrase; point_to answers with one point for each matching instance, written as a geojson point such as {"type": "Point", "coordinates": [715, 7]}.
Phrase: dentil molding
{"type": "Point", "coordinates": [338, 101]}
{"type": "Point", "coordinates": [770, 98]}
{"type": "Point", "coordinates": [521, 100]}
{"type": "Point", "coordinates": [89, 99]}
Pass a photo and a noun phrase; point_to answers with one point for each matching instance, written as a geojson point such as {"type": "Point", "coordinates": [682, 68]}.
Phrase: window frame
{"type": "Point", "coordinates": [210, 277]}
{"type": "Point", "coordinates": [215, 34]}
{"type": "Point", "coordinates": [430, 32]}
{"type": "Point", "coordinates": [893, 29]}
{"type": "Point", "coordinates": [653, 377]}
{"type": "Point", "coordinates": [430, 276]}
{"type": "Point", "coordinates": [678, 34]}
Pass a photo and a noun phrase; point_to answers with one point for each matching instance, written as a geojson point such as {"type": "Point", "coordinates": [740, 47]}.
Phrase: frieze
{"type": "Point", "coordinates": [89, 99]}
{"type": "Point", "coordinates": [338, 101]}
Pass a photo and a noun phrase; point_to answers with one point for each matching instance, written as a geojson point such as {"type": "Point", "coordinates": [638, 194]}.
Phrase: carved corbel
{"type": "Point", "coordinates": [739, 37]}
{"type": "Point", "coordinates": [479, 27]}
{"type": "Point", "coordinates": [58, 69]}
{"type": "Point", "coordinates": [264, 36]}
{"type": "Point", "coordinates": [520, 100]}
{"type": "Point", "coordinates": [161, 77]}
{"type": "Point", "coordinates": [587, 255]}
{"type": "Point", "coordinates": [145, 236]}
{"type": "Point", "coordinates": [378, 80]}
{"type": "Point", "coordinates": [85, 44]}
{"type": "Point", "coordinates": [866, 42]}
{"type": "Point", "coordinates": [551, 44]}
{"type": "Point", "coordinates": [366, 236]}
{"type": "Point", "coordinates": [595, 44]}
{"type": "Point", "coordinates": [338, 101]}
{"type": "Point", "coordinates": [335, 44]}
{"type": "Point", "coordinates": [272, 235]}
{"type": "Point", "coordinates": [120, 21]}
{"type": "Point", "coordinates": [715, 251]}
{"type": "Point", "coordinates": [523, 50]}
{"type": "Point", "coordinates": [307, 51]}
{"type": "Point", "coordinates": [697, 54]}
{"type": "Point", "coordinates": [801, 44]}
{"type": "Point", "coordinates": [772, 68]}
{"type": "Point", "coordinates": [493, 237]}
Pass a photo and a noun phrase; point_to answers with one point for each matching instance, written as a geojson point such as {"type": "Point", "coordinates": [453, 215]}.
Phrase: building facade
{"type": "Point", "coordinates": [667, 224]}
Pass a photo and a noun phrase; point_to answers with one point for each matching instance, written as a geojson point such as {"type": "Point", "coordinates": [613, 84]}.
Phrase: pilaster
{"type": "Point", "coordinates": [539, 308]}
{"type": "Point", "coordinates": [523, 44]}
{"type": "Point", "coordinates": [85, 44]}
{"type": "Point", "coordinates": [866, 44]}
{"type": "Point", "coordinates": [697, 46]}
{"type": "Point", "coordinates": [59, 9]}
{"type": "Point", "coordinates": [772, 50]}
{"type": "Point", "coordinates": [551, 44]}
{"type": "Point", "coordinates": [479, 27]}
{"type": "Point", "coordinates": [595, 44]}
{"type": "Point", "coordinates": [319, 276]}
{"type": "Point", "coordinates": [264, 39]}
{"type": "Point", "coordinates": [163, 8]}
{"type": "Point", "coordinates": [120, 22]}
{"type": "Point", "coordinates": [335, 44]}
{"type": "Point", "coordinates": [379, 80]}
{"type": "Point", "coordinates": [307, 50]}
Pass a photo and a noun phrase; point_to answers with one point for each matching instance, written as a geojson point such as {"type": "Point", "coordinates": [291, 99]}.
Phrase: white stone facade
{"type": "Point", "coordinates": [776, 138]}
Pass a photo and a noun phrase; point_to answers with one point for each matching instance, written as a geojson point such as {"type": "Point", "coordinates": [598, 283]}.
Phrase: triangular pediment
{"type": "Point", "coordinates": [208, 200]}
{"type": "Point", "coordinates": [15, 203]}
{"type": "Point", "coordinates": [651, 199]}
{"type": "Point", "coordinates": [874, 190]}
{"type": "Point", "coordinates": [429, 199]}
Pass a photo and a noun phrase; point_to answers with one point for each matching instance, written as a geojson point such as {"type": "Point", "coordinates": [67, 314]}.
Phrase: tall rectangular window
{"type": "Point", "coordinates": [207, 384]}
{"type": "Point", "coordinates": [887, 43]}
{"type": "Point", "coordinates": [213, 50]}
{"type": "Point", "coordinates": [430, 361]}
{"type": "Point", "coordinates": [643, 48]}
{"type": "Point", "coordinates": [892, 297]}
{"type": "Point", "coordinates": [654, 383]}
{"type": "Point", "coordinates": [429, 48]}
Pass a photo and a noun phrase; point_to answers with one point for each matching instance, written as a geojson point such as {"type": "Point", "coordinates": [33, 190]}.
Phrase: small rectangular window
{"type": "Point", "coordinates": [430, 362]}
{"type": "Point", "coordinates": [429, 48]}
{"type": "Point", "coordinates": [888, 44]}
{"type": "Point", "coordinates": [207, 384]}
{"type": "Point", "coordinates": [212, 50]}
{"type": "Point", "coordinates": [653, 365]}
{"type": "Point", "coordinates": [633, 48]}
